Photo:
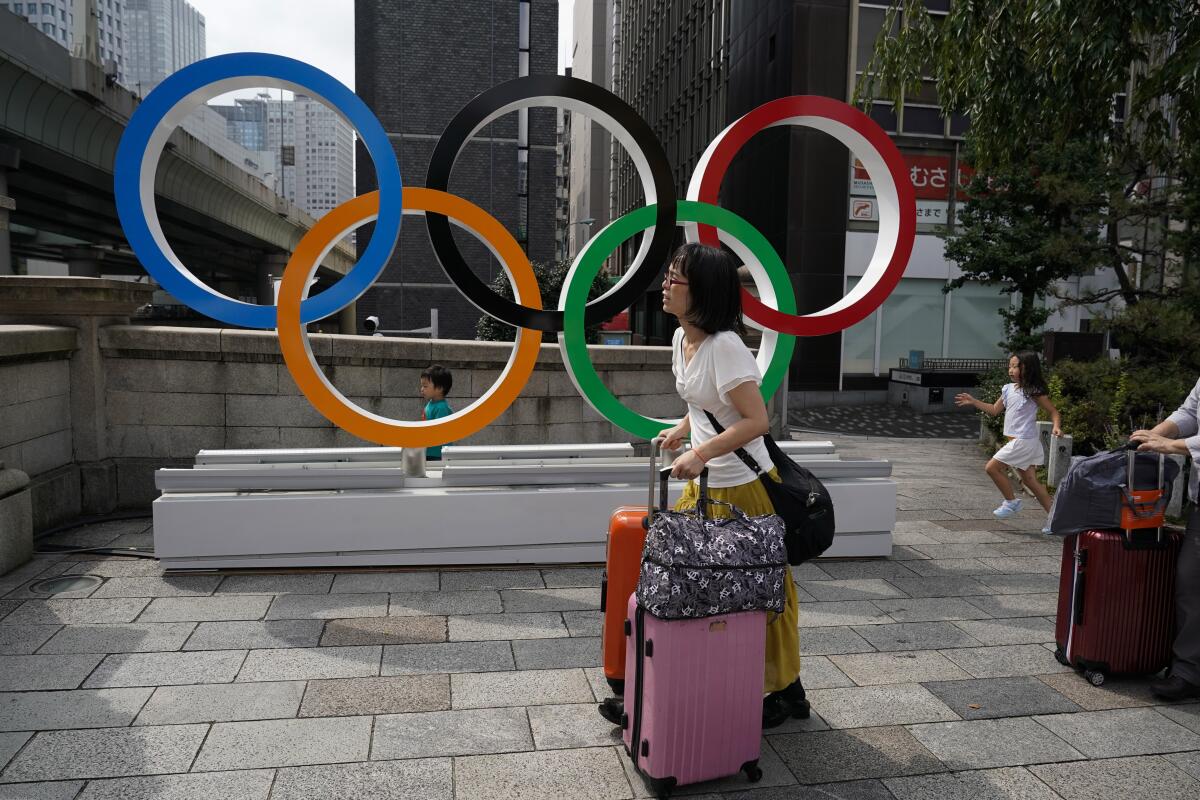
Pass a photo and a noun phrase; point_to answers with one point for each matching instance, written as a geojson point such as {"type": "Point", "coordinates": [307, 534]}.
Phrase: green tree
{"type": "Point", "coordinates": [1036, 76]}
{"type": "Point", "coordinates": [550, 278]}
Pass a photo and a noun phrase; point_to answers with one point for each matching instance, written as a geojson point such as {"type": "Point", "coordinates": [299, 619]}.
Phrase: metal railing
{"type": "Point", "coordinates": [953, 364]}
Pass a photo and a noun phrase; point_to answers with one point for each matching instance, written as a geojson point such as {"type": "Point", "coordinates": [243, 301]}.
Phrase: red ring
{"type": "Point", "coordinates": [732, 140]}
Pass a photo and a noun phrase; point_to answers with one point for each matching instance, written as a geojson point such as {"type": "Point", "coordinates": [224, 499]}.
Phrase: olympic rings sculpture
{"type": "Point", "coordinates": [773, 312]}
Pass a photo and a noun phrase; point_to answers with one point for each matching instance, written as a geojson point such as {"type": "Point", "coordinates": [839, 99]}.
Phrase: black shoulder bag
{"type": "Point", "coordinates": [800, 499]}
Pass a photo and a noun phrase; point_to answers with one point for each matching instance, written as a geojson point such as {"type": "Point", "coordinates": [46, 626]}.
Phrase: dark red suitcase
{"type": "Point", "coordinates": [1116, 601]}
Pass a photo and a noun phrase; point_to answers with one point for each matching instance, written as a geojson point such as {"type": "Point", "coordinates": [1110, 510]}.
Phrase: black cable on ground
{"type": "Point", "coordinates": [68, 549]}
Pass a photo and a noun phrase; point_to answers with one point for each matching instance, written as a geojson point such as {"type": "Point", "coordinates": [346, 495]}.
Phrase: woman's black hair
{"type": "Point", "coordinates": [1032, 381]}
{"type": "Point", "coordinates": [716, 290]}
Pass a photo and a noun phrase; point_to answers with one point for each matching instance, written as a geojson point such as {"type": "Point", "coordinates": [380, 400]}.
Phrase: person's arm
{"type": "Point", "coordinates": [673, 437]}
{"type": "Point", "coordinates": [1178, 434]}
{"type": "Point", "coordinates": [991, 409]}
{"type": "Point", "coordinates": [746, 398]}
{"type": "Point", "coordinates": [1055, 420]}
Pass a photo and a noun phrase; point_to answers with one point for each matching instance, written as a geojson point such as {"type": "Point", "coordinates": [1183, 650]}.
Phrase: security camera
{"type": "Point", "coordinates": [371, 324]}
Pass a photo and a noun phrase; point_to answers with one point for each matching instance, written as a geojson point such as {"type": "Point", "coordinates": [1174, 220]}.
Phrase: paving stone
{"type": "Point", "coordinates": [50, 790]}
{"type": "Point", "coordinates": [117, 568]}
{"type": "Point", "coordinates": [525, 688]}
{"type": "Point", "coordinates": [841, 612]}
{"type": "Point", "coordinates": [240, 785]}
{"type": "Point", "coordinates": [815, 722]}
{"type": "Point", "coordinates": [484, 627]}
{"type": "Point", "coordinates": [1030, 548]}
{"type": "Point", "coordinates": [1124, 778]}
{"type": "Point", "coordinates": [26, 590]}
{"type": "Point", "coordinates": [944, 567]}
{"type": "Point", "coordinates": [458, 580]}
{"type": "Point", "coordinates": [428, 779]}
{"type": "Point", "coordinates": [391, 695]}
{"type": "Point", "coordinates": [973, 521]}
{"type": "Point", "coordinates": [551, 599]}
{"type": "Point", "coordinates": [1113, 694]}
{"type": "Point", "coordinates": [166, 669]}
{"type": "Point", "coordinates": [410, 604]}
{"type": "Point", "coordinates": [36, 673]}
{"type": "Point", "coordinates": [1188, 762]}
{"type": "Point", "coordinates": [310, 663]}
{"type": "Point", "coordinates": [930, 609]}
{"type": "Point", "coordinates": [44, 711]}
{"type": "Point", "coordinates": [833, 641]}
{"type": "Point", "coordinates": [1006, 661]}
{"type": "Point", "coordinates": [598, 682]}
{"type": "Point", "coordinates": [222, 702]}
{"type": "Point", "coordinates": [847, 790]}
{"type": "Point", "coordinates": [941, 535]}
{"type": "Point", "coordinates": [867, 669]}
{"type": "Point", "coordinates": [76, 612]}
{"type": "Point", "coordinates": [986, 698]}
{"type": "Point", "coordinates": [106, 753]}
{"type": "Point", "coordinates": [328, 606]}
{"type": "Point", "coordinates": [870, 706]}
{"type": "Point", "coordinates": [205, 609]}
{"type": "Point", "coordinates": [311, 583]}
{"type": "Point", "coordinates": [1017, 630]}
{"type": "Point", "coordinates": [903, 553]}
{"type": "Point", "coordinates": [384, 630]}
{"type": "Point", "coordinates": [1187, 715]}
{"type": "Point", "coordinates": [985, 743]}
{"type": "Point", "coordinates": [914, 636]}
{"type": "Point", "coordinates": [248, 635]}
{"type": "Point", "coordinates": [131, 637]}
{"type": "Point", "coordinates": [571, 726]}
{"type": "Point", "coordinates": [1029, 583]}
{"type": "Point", "coordinates": [911, 538]}
{"type": "Point", "coordinates": [24, 640]}
{"type": "Point", "coordinates": [1121, 732]}
{"type": "Point", "coordinates": [583, 623]}
{"type": "Point", "coordinates": [965, 550]}
{"type": "Point", "coordinates": [809, 571]}
{"type": "Point", "coordinates": [1009, 783]}
{"type": "Point", "coordinates": [842, 755]}
{"type": "Point", "coordinates": [853, 589]}
{"type": "Point", "coordinates": [452, 733]}
{"type": "Point", "coordinates": [415, 659]}
{"type": "Point", "coordinates": [285, 743]}
{"type": "Point", "coordinates": [858, 570]}
{"type": "Point", "coordinates": [10, 744]}
{"type": "Point", "coordinates": [170, 586]}
{"type": "Point", "coordinates": [7, 607]}
{"type": "Point", "coordinates": [557, 653]}
{"type": "Point", "coordinates": [594, 773]}
{"type": "Point", "coordinates": [1013, 564]}
{"type": "Point", "coordinates": [818, 672]}
{"type": "Point", "coordinates": [922, 516]}
{"type": "Point", "coordinates": [1017, 605]}
{"type": "Point", "coordinates": [940, 586]}
{"type": "Point", "coordinates": [370, 582]}
{"type": "Point", "coordinates": [572, 576]}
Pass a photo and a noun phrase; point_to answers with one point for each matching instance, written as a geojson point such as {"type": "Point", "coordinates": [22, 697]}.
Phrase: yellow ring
{"type": "Point", "coordinates": [332, 404]}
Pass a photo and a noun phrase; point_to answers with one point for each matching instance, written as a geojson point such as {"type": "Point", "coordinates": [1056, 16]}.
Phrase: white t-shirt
{"type": "Point", "coordinates": [1020, 413]}
{"type": "Point", "coordinates": [722, 362]}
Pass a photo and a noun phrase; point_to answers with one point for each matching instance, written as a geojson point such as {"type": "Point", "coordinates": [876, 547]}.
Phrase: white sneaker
{"type": "Point", "coordinates": [1007, 509]}
{"type": "Point", "coordinates": [1046, 530]}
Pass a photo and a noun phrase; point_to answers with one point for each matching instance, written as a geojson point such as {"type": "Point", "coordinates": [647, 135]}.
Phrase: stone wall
{"type": "Point", "coordinates": [35, 416]}
{"type": "Point", "coordinates": [172, 391]}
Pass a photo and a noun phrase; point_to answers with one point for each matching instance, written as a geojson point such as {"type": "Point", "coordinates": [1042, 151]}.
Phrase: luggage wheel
{"type": "Point", "coordinates": [1095, 678]}
{"type": "Point", "coordinates": [661, 787]}
{"type": "Point", "coordinates": [1061, 657]}
{"type": "Point", "coordinates": [753, 772]}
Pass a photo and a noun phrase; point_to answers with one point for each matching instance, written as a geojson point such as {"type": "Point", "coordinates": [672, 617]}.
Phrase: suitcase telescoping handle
{"type": "Point", "coordinates": [660, 476]}
{"type": "Point", "coordinates": [1131, 451]}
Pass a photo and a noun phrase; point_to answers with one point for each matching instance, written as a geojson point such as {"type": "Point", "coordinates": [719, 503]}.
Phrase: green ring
{"type": "Point", "coordinates": [572, 340]}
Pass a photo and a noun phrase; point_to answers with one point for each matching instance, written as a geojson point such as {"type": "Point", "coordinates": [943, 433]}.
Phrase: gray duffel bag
{"type": "Point", "coordinates": [1097, 487]}
{"type": "Point", "coordinates": [697, 566]}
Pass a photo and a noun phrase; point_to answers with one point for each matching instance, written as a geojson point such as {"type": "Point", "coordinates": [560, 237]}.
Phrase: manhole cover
{"type": "Point", "coordinates": [67, 583]}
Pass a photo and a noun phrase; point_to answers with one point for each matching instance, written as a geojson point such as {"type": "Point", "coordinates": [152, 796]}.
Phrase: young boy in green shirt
{"type": "Point", "coordinates": [435, 385]}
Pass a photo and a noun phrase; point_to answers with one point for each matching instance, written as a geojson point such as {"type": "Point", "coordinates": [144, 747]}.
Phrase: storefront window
{"type": "Point", "coordinates": [912, 320]}
{"type": "Point", "coordinates": [858, 343]}
{"type": "Point", "coordinates": [975, 323]}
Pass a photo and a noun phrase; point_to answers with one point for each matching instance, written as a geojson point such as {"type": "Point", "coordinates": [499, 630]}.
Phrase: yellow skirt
{"type": "Point", "coordinates": [783, 633]}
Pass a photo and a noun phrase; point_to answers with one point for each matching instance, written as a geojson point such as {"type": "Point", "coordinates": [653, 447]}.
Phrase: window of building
{"type": "Point", "coordinates": [18, 8]}
{"type": "Point", "coordinates": [47, 9]}
{"type": "Point", "coordinates": [47, 29]}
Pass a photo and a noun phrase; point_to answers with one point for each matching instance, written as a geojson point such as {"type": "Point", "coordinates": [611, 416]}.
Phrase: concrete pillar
{"type": "Point", "coordinates": [7, 205]}
{"type": "Point", "coordinates": [83, 262]}
{"type": "Point", "coordinates": [16, 520]}
{"type": "Point", "coordinates": [348, 319]}
{"type": "Point", "coordinates": [270, 270]}
{"type": "Point", "coordinates": [1059, 460]}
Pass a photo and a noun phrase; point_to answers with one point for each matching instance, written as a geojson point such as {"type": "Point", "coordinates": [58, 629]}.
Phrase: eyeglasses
{"type": "Point", "coordinates": [673, 281]}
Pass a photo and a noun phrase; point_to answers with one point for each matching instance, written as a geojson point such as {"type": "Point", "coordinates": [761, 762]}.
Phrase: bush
{"type": "Point", "coordinates": [550, 278]}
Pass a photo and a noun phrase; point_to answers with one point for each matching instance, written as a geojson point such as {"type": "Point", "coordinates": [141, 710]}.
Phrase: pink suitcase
{"type": "Point", "coordinates": [693, 696]}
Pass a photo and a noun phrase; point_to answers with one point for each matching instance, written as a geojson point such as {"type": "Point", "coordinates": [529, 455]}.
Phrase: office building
{"type": "Point", "coordinates": [56, 19]}
{"type": "Point", "coordinates": [162, 37]}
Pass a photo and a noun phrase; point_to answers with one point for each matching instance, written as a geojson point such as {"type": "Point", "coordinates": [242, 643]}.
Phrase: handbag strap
{"type": "Point", "coordinates": [741, 453]}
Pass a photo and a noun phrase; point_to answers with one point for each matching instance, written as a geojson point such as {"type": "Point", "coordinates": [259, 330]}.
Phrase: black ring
{"type": "Point", "coordinates": [463, 126]}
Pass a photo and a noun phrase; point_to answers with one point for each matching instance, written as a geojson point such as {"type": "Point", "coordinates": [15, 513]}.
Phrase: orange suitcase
{"type": "Point", "coordinates": [626, 538]}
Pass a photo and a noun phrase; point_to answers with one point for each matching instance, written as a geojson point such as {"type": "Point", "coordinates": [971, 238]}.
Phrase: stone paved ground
{"type": "Point", "coordinates": [885, 420]}
{"type": "Point", "coordinates": [931, 676]}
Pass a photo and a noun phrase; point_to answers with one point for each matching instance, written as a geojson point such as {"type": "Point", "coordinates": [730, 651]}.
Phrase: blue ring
{"type": "Point", "coordinates": [132, 152]}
